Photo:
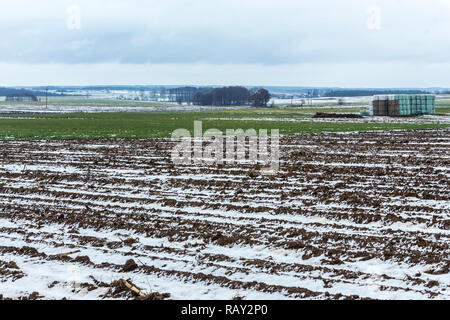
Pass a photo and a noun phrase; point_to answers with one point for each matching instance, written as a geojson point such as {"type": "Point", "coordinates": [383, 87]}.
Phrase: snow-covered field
{"type": "Point", "coordinates": [423, 119]}
{"type": "Point", "coordinates": [64, 108]}
{"type": "Point", "coordinates": [364, 100]}
{"type": "Point", "coordinates": [350, 215]}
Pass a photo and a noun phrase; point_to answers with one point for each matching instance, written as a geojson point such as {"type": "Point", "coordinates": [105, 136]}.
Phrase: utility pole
{"type": "Point", "coordinates": [46, 98]}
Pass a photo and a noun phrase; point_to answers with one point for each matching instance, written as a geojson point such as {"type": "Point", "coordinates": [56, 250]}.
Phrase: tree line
{"type": "Point", "coordinates": [23, 92]}
{"type": "Point", "coordinates": [232, 96]}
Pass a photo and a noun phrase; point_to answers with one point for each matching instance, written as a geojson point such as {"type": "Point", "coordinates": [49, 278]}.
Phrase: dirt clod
{"type": "Point", "coordinates": [130, 265]}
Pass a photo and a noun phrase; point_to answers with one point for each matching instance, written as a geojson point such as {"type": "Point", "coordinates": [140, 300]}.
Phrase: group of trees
{"type": "Point", "coordinates": [232, 96]}
{"type": "Point", "coordinates": [226, 96]}
{"type": "Point", "coordinates": [260, 97]}
{"type": "Point", "coordinates": [21, 92]}
{"type": "Point", "coordinates": [21, 97]}
{"type": "Point", "coordinates": [182, 94]}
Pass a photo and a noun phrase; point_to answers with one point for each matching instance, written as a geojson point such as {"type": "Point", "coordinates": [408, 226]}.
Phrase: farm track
{"type": "Point", "coordinates": [355, 215]}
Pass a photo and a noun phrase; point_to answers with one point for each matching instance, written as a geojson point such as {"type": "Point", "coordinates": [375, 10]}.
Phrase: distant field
{"type": "Point", "coordinates": [162, 124]}
{"type": "Point", "coordinates": [443, 103]}
{"type": "Point", "coordinates": [325, 104]}
{"type": "Point", "coordinates": [98, 102]}
{"type": "Point", "coordinates": [81, 101]}
{"type": "Point", "coordinates": [113, 102]}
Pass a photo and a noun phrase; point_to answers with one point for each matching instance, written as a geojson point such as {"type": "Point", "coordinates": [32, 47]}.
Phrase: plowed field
{"type": "Point", "coordinates": [352, 215]}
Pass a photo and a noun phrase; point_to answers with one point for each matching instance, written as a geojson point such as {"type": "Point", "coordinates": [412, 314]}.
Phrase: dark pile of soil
{"type": "Point", "coordinates": [130, 265]}
{"type": "Point", "coordinates": [336, 115]}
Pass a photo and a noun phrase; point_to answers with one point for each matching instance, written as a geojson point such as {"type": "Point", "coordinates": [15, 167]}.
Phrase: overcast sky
{"type": "Point", "coordinates": [347, 43]}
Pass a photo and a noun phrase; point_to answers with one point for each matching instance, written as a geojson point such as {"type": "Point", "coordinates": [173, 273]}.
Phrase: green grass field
{"type": "Point", "coordinates": [442, 110]}
{"type": "Point", "coordinates": [162, 124]}
{"type": "Point", "coordinates": [231, 113]}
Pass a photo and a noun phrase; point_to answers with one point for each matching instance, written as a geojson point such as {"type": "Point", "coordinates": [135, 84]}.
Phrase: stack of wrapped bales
{"type": "Point", "coordinates": [393, 106]}
{"type": "Point", "coordinates": [402, 105]}
{"type": "Point", "coordinates": [380, 105]}
{"type": "Point", "coordinates": [420, 107]}
{"type": "Point", "coordinates": [431, 103]}
{"type": "Point", "coordinates": [372, 104]}
{"type": "Point", "coordinates": [371, 107]}
{"type": "Point", "coordinates": [423, 104]}
{"type": "Point", "coordinates": [413, 102]}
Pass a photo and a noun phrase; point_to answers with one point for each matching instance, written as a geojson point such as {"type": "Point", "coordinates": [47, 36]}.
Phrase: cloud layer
{"type": "Point", "coordinates": [220, 33]}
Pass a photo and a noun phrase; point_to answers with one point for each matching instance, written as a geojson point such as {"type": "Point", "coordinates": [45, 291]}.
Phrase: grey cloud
{"type": "Point", "coordinates": [220, 32]}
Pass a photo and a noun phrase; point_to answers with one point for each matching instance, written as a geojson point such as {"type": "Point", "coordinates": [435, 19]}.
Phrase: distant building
{"type": "Point", "coordinates": [22, 97]}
